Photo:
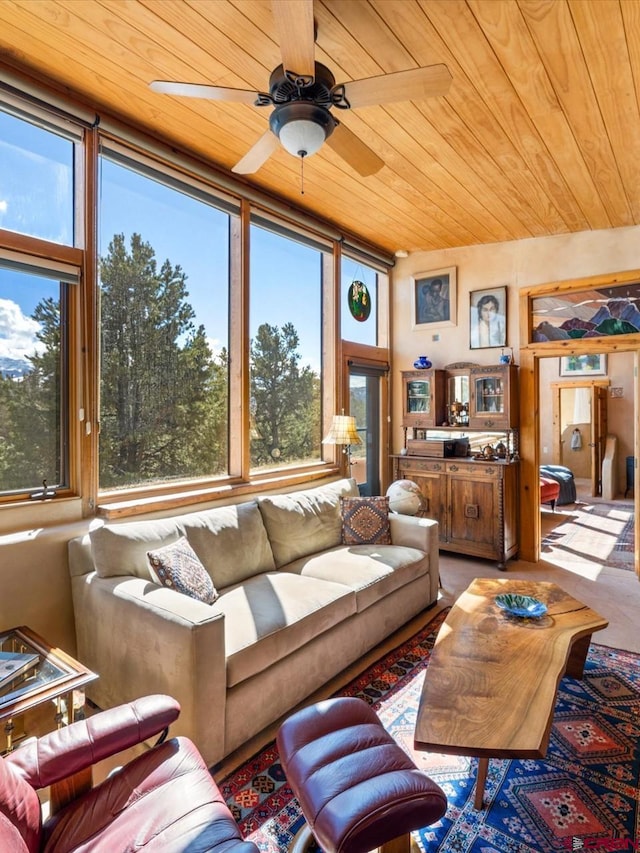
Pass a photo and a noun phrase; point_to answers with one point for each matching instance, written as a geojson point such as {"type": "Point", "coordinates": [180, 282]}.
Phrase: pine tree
{"type": "Point", "coordinates": [30, 424]}
{"type": "Point", "coordinates": [285, 399]}
{"type": "Point", "coordinates": [156, 370]}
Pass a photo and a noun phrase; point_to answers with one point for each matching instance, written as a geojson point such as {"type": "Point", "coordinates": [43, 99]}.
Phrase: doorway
{"type": "Point", "coordinates": [580, 428]}
{"type": "Point", "coordinates": [364, 405]}
{"type": "Point", "coordinates": [606, 406]}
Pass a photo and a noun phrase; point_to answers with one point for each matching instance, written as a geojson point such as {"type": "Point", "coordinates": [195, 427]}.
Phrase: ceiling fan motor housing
{"type": "Point", "coordinates": [286, 86]}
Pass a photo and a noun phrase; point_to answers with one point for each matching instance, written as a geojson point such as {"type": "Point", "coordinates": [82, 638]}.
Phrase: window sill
{"type": "Point", "coordinates": [25, 515]}
{"type": "Point", "coordinates": [224, 493]}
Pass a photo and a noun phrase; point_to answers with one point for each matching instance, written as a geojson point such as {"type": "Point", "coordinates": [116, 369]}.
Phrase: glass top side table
{"type": "Point", "coordinates": [50, 674]}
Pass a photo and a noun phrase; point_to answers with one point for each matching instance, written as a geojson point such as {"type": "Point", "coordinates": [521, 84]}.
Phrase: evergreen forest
{"type": "Point", "coordinates": [164, 410]}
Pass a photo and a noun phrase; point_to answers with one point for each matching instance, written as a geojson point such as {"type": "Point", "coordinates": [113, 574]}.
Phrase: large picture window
{"type": "Point", "coordinates": [285, 355]}
{"type": "Point", "coordinates": [162, 333]}
{"type": "Point", "coordinates": [164, 293]}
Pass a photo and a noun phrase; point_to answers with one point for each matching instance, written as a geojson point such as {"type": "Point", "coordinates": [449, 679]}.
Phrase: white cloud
{"type": "Point", "coordinates": [215, 345]}
{"type": "Point", "coordinates": [17, 332]}
{"type": "Point", "coordinates": [3, 206]}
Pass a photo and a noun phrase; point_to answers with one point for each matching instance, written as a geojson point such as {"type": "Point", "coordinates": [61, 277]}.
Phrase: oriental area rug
{"type": "Point", "coordinates": [583, 795]}
{"type": "Point", "coordinates": [599, 533]}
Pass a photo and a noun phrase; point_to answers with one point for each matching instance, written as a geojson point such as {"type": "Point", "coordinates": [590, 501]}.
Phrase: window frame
{"type": "Point", "coordinates": [51, 259]}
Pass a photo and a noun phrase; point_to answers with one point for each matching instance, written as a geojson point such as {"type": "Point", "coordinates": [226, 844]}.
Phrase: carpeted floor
{"type": "Point", "coordinates": [601, 532]}
{"type": "Point", "coordinates": [584, 794]}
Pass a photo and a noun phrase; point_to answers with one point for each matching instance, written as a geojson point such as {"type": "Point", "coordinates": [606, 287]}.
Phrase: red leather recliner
{"type": "Point", "coordinates": [163, 800]}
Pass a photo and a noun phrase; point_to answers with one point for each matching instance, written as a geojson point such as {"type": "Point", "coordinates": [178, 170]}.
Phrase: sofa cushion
{"type": "Point", "coordinates": [121, 549]}
{"type": "Point", "coordinates": [177, 566]}
{"type": "Point", "coordinates": [231, 541]}
{"type": "Point", "coordinates": [371, 571]}
{"type": "Point", "coordinates": [365, 521]}
{"type": "Point", "coordinates": [304, 522]}
{"type": "Point", "coordinates": [271, 615]}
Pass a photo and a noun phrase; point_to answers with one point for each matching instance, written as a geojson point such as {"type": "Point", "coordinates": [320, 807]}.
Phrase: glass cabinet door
{"type": "Point", "coordinates": [419, 397]}
{"type": "Point", "coordinates": [489, 393]}
{"type": "Point", "coordinates": [423, 403]}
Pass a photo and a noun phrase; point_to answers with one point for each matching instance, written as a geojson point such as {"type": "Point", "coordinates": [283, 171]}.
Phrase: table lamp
{"type": "Point", "coordinates": [343, 431]}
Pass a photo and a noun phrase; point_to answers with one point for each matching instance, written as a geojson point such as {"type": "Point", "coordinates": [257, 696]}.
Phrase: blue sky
{"type": "Point", "coordinates": [36, 199]}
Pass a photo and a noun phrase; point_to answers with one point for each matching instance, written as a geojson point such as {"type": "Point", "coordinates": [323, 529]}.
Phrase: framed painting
{"type": "Point", "coordinates": [583, 365]}
{"type": "Point", "coordinates": [488, 318]}
{"type": "Point", "coordinates": [434, 298]}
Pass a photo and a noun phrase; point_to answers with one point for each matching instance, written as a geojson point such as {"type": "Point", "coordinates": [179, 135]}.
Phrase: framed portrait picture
{"type": "Point", "coordinates": [488, 318]}
{"type": "Point", "coordinates": [583, 365]}
{"type": "Point", "coordinates": [434, 298]}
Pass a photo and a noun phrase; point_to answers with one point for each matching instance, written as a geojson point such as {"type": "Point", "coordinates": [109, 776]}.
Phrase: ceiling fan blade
{"type": "Point", "coordinates": [294, 23]}
{"type": "Point", "coordinates": [411, 85]}
{"type": "Point", "coordinates": [201, 90]}
{"type": "Point", "coordinates": [258, 154]}
{"type": "Point", "coordinates": [358, 155]}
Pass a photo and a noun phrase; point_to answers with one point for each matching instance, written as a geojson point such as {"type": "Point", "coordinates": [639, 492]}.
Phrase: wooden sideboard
{"type": "Point", "coordinates": [473, 501]}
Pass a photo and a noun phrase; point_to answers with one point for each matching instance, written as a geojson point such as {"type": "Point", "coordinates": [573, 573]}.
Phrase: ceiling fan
{"type": "Point", "coordinates": [302, 93]}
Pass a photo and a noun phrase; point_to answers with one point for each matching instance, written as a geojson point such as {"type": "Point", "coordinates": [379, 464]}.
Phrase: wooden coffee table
{"type": "Point", "coordinates": [491, 683]}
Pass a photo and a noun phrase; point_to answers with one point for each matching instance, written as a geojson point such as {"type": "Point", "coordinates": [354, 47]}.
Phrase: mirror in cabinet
{"type": "Point", "coordinates": [457, 396]}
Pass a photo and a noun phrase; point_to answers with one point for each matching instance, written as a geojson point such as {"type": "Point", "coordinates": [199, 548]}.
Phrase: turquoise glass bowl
{"type": "Point", "coordinates": [521, 605]}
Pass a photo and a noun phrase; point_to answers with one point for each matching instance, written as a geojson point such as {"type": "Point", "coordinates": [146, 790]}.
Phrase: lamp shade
{"type": "Point", "coordinates": [342, 431]}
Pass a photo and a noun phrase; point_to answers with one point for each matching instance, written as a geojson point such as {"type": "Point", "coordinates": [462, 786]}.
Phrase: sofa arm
{"type": "Point", "coordinates": [48, 759]}
{"type": "Point", "coordinates": [421, 533]}
{"type": "Point", "coordinates": [413, 532]}
{"type": "Point", "coordinates": [144, 639]}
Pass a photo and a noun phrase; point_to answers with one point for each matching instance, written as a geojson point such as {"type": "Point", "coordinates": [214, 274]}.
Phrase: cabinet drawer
{"type": "Point", "coordinates": [481, 469]}
{"type": "Point", "coordinates": [408, 466]}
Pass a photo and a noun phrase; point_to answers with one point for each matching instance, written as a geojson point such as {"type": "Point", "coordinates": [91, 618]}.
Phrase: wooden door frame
{"type": "Point", "coordinates": [377, 358]}
{"type": "Point", "coordinates": [529, 383]}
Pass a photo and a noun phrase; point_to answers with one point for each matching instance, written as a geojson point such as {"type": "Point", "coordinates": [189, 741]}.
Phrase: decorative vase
{"type": "Point", "coordinates": [422, 363]}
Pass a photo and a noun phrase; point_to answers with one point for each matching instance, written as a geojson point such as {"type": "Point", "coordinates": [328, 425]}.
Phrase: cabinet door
{"type": "Point", "coordinates": [493, 397]}
{"type": "Point", "coordinates": [431, 488]}
{"type": "Point", "coordinates": [475, 515]}
{"type": "Point", "coordinates": [422, 398]}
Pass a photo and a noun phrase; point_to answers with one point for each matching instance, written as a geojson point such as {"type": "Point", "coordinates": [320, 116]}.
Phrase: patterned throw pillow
{"type": "Point", "coordinates": [365, 521]}
{"type": "Point", "coordinates": [177, 566]}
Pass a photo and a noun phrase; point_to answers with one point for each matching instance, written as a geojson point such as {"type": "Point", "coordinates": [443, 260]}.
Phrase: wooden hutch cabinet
{"type": "Point", "coordinates": [472, 496]}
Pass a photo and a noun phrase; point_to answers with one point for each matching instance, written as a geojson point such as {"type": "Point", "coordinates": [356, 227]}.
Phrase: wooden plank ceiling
{"type": "Point", "coordinates": [539, 133]}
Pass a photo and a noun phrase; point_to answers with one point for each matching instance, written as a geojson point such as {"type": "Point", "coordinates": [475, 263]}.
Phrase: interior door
{"type": "Point", "coordinates": [598, 435]}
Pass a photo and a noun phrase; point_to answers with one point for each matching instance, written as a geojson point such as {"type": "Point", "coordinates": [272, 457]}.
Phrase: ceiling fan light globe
{"type": "Point", "coordinates": [302, 138]}
{"type": "Point", "coordinates": [301, 127]}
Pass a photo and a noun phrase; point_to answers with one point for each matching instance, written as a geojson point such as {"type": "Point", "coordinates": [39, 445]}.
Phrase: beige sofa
{"type": "Point", "coordinates": [295, 608]}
